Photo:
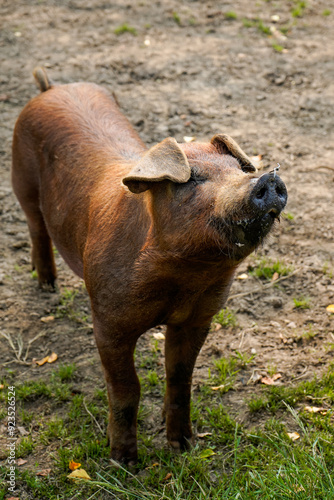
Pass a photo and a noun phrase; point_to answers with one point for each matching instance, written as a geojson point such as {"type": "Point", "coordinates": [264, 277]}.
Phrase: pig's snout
{"type": "Point", "coordinates": [269, 194]}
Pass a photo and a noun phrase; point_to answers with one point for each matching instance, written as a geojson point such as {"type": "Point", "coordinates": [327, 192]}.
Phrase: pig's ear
{"type": "Point", "coordinates": [226, 145]}
{"type": "Point", "coordinates": [166, 160]}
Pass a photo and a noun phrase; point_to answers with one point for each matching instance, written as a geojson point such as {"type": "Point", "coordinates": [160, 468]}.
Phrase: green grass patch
{"type": "Point", "coordinates": [299, 9]}
{"type": "Point", "coordinates": [228, 462]}
{"type": "Point", "coordinates": [73, 304]}
{"type": "Point", "coordinates": [176, 18]}
{"type": "Point", "coordinates": [266, 268]}
{"type": "Point", "coordinates": [302, 303]}
{"type": "Point", "coordinates": [125, 28]}
{"type": "Point", "coordinates": [230, 15]}
{"type": "Point", "coordinates": [226, 318]}
{"type": "Point", "coordinates": [277, 47]}
{"type": "Point", "coordinates": [256, 23]}
{"type": "Point", "coordinates": [288, 216]}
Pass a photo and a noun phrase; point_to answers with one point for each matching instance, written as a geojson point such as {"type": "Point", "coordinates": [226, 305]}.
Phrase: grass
{"type": "Point", "coordinates": [125, 28]}
{"type": "Point", "coordinates": [302, 303]}
{"type": "Point", "coordinates": [266, 268]}
{"type": "Point", "coordinates": [176, 18]}
{"type": "Point", "coordinates": [277, 47]}
{"type": "Point", "coordinates": [229, 462]}
{"type": "Point", "coordinates": [230, 15]}
{"type": "Point", "coordinates": [73, 305]}
{"type": "Point", "coordinates": [288, 216]}
{"type": "Point", "coordinates": [225, 318]}
{"type": "Point", "coordinates": [256, 23]}
{"type": "Point", "coordinates": [299, 9]}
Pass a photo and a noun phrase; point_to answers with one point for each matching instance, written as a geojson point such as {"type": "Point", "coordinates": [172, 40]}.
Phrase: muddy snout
{"type": "Point", "coordinates": [269, 195]}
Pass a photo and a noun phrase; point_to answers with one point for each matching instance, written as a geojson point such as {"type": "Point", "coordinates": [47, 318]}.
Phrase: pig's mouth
{"type": "Point", "coordinates": [242, 236]}
{"type": "Point", "coordinates": [251, 232]}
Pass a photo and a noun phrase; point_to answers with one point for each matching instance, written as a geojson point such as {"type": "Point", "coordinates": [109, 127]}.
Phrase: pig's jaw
{"type": "Point", "coordinates": [242, 236]}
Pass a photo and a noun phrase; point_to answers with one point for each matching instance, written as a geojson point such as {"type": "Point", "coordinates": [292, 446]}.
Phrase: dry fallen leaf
{"type": "Point", "coordinates": [158, 336]}
{"type": "Point", "coordinates": [52, 358]}
{"type": "Point", "coordinates": [79, 474]}
{"type": "Point", "coordinates": [316, 409]}
{"type": "Point", "coordinates": [47, 319]}
{"type": "Point", "coordinates": [168, 476]}
{"type": "Point", "coordinates": [330, 308]}
{"type": "Point", "coordinates": [48, 359]}
{"type": "Point", "coordinates": [22, 431]}
{"type": "Point", "coordinates": [41, 362]}
{"type": "Point", "coordinates": [20, 461]}
{"type": "Point", "coordinates": [204, 434]}
{"type": "Point", "coordinates": [156, 464]}
{"type": "Point", "coordinates": [243, 276]}
{"type": "Point", "coordinates": [218, 387]}
{"type": "Point", "coordinates": [270, 380]}
{"type": "Point", "coordinates": [293, 436]}
{"type": "Point", "coordinates": [74, 465]}
{"type": "Point", "coordinates": [275, 277]}
{"type": "Point", "coordinates": [43, 472]}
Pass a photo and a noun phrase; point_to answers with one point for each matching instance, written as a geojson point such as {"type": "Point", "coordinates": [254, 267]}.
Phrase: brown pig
{"type": "Point", "coordinates": [157, 234]}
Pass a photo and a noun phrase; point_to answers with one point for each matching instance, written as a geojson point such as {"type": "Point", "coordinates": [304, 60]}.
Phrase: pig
{"type": "Point", "coordinates": [157, 235]}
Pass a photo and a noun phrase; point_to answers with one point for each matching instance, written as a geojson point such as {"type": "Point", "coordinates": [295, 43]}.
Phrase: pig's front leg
{"type": "Point", "coordinates": [182, 347]}
{"type": "Point", "coordinates": [123, 387]}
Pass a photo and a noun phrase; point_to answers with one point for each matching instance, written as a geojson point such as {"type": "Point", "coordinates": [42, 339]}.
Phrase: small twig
{"type": "Point", "coordinates": [8, 337]}
{"type": "Point", "coordinates": [242, 339]}
{"type": "Point", "coordinates": [299, 376]}
{"type": "Point", "coordinates": [93, 418]}
{"type": "Point", "coordinates": [312, 397]}
{"type": "Point", "coordinates": [318, 168]}
{"type": "Point", "coordinates": [263, 287]}
{"type": "Point", "coordinates": [20, 346]}
{"type": "Point", "coordinates": [41, 334]}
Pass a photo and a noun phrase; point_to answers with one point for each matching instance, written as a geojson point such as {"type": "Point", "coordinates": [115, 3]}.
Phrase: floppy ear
{"type": "Point", "coordinates": [226, 145]}
{"type": "Point", "coordinates": [166, 160]}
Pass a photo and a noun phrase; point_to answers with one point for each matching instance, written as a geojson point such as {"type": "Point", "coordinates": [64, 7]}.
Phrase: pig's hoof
{"type": "Point", "coordinates": [181, 444]}
{"type": "Point", "coordinates": [48, 285]}
{"type": "Point", "coordinates": [118, 464]}
{"type": "Point", "coordinates": [124, 457]}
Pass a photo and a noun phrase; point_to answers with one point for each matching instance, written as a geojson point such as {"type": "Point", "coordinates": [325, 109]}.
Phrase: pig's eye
{"type": "Point", "coordinates": [248, 168]}
{"type": "Point", "coordinates": [196, 178]}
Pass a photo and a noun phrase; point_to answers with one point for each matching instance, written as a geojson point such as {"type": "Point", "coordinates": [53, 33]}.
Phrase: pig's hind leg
{"type": "Point", "coordinates": [26, 187]}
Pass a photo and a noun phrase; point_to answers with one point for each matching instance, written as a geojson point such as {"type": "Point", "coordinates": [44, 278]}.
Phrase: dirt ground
{"type": "Point", "coordinates": [191, 68]}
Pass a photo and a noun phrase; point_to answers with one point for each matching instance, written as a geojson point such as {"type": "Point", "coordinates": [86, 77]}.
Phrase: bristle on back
{"type": "Point", "coordinates": [42, 79]}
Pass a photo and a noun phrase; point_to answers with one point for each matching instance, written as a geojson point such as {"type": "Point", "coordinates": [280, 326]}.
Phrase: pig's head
{"type": "Point", "coordinates": [207, 200]}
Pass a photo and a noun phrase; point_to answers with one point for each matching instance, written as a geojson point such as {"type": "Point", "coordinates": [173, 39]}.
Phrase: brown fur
{"type": "Point", "coordinates": [149, 254]}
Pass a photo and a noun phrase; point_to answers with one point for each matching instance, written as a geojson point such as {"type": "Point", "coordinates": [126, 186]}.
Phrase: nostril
{"type": "Point", "coordinates": [261, 194]}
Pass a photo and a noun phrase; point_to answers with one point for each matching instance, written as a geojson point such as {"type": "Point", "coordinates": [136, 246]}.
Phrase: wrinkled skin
{"type": "Point", "coordinates": [156, 234]}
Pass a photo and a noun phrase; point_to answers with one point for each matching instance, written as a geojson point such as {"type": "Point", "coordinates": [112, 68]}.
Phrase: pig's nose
{"type": "Point", "coordinates": [269, 194]}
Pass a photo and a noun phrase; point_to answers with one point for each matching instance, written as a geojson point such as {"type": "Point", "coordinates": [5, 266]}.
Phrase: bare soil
{"type": "Point", "coordinates": [190, 69]}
